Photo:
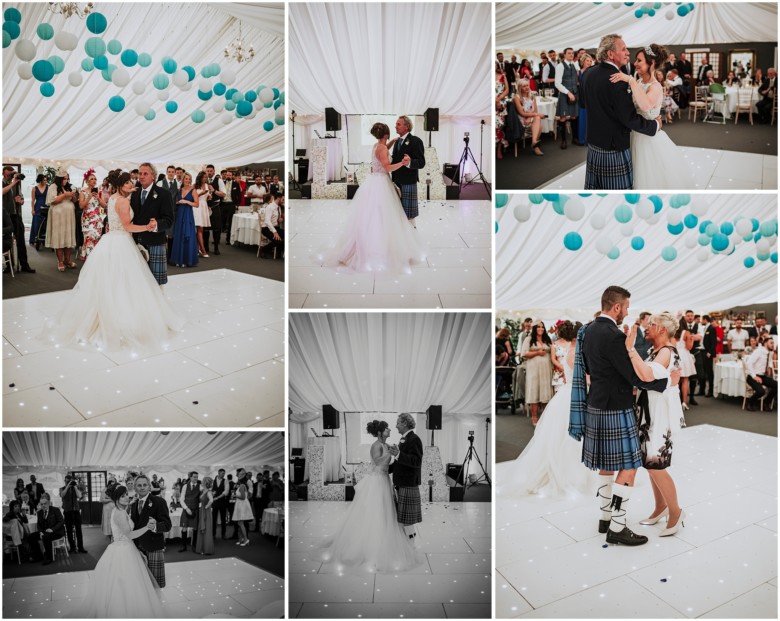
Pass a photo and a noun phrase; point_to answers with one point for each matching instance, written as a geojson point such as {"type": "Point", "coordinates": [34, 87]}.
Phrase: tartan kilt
{"type": "Point", "coordinates": [408, 505]}
{"type": "Point", "coordinates": [189, 521]}
{"type": "Point", "coordinates": [566, 107]}
{"type": "Point", "coordinates": [611, 440]}
{"type": "Point", "coordinates": [409, 200]}
{"type": "Point", "coordinates": [155, 560]}
{"type": "Point", "coordinates": [158, 262]}
{"type": "Point", "coordinates": [608, 170]}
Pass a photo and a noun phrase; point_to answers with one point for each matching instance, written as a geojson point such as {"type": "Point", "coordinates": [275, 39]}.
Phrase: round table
{"type": "Point", "coordinates": [547, 106]}
{"type": "Point", "coordinates": [175, 524]}
{"type": "Point", "coordinates": [331, 469]}
{"type": "Point", "coordinates": [731, 99]}
{"type": "Point", "coordinates": [729, 379]}
{"type": "Point", "coordinates": [335, 160]}
{"type": "Point", "coordinates": [272, 522]}
{"type": "Point", "coordinates": [245, 229]}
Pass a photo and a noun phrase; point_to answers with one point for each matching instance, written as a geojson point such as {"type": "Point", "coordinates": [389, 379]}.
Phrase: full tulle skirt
{"type": "Point", "coordinates": [658, 163]}
{"type": "Point", "coordinates": [116, 302]}
{"type": "Point", "coordinates": [122, 586]}
{"type": "Point", "coordinates": [551, 464]}
{"type": "Point", "coordinates": [370, 537]}
{"type": "Point", "coordinates": [377, 236]}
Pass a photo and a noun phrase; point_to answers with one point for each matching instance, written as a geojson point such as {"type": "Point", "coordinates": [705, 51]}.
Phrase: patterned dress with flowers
{"type": "Point", "coordinates": [501, 113]}
{"type": "Point", "coordinates": [91, 226]}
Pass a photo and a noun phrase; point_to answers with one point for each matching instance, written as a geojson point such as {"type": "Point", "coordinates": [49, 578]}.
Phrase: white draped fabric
{"type": "Point", "coordinates": [543, 25]}
{"type": "Point", "coordinates": [76, 123]}
{"type": "Point", "coordinates": [537, 272]}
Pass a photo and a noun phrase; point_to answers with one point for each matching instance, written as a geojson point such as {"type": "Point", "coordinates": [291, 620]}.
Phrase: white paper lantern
{"type": "Point", "coordinates": [690, 241]}
{"type": "Point", "coordinates": [187, 86]}
{"type": "Point", "coordinates": [644, 208]}
{"type": "Point", "coordinates": [574, 209]}
{"type": "Point", "coordinates": [627, 229]}
{"type": "Point", "coordinates": [204, 85]}
{"type": "Point", "coordinates": [655, 218]}
{"type": "Point", "coordinates": [25, 50]}
{"type": "Point", "coordinates": [598, 221]}
{"type": "Point", "coordinates": [120, 77]}
{"type": "Point", "coordinates": [226, 118]}
{"type": "Point", "coordinates": [227, 77]}
{"type": "Point", "coordinates": [75, 78]}
{"type": "Point", "coordinates": [266, 95]}
{"type": "Point", "coordinates": [763, 245]}
{"type": "Point", "coordinates": [66, 41]}
{"type": "Point", "coordinates": [703, 254]}
{"type": "Point", "coordinates": [604, 244]}
{"type": "Point", "coordinates": [699, 207]}
{"type": "Point", "coordinates": [522, 212]}
{"type": "Point", "coordinates": [142, 107]}
{"type": "Point", "coordinates": [668, 15]}
{"type": "Point", "coordinates": [219, 105]}
{"type": "Point", "coordinates": [139, 88]}
{"type": "Point", "coordinates": [674, 217]}
{"type": "Point", "coordinates": [180, 78]}
{"type": "Point", "coordinates": [743, 227]}
{"type": "Point", "coordinates": [163, 95]}
{"type": "Point", "coordinates": [252, 115]}
{"type": "Point", "coordinates": [279, 114]}
{"type": "Point", "coordinates": [25, 71]}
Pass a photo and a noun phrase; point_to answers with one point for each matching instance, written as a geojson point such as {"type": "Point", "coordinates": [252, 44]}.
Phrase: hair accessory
{"type": "Point", "coordinates": [91, 171]}
{"type": "Point", "coordinates": [649, 51]}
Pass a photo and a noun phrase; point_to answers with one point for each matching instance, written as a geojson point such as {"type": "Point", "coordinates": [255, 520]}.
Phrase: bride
{"type": "Point", "coordinates": [551, 464]}
{"type": "Point", "coordinates": [370, 537]}
{"type": "Point", "coordinates": [116, 301]}
{"type": "Point", "coordinates": [378, 238]}
{"type": "Point", "coordinates": [657, 161]}
{"type": "Point", "coordinates": [122, 585]}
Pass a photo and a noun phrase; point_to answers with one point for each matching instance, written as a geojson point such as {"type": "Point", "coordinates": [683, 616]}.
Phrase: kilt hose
{"type": "Point", "coordinates": [409, 200]}
{"type": "Point", "coordinates": [408, 506]}
{"type": "Point", "coordinates": [158, 262]}
{"type": "Point", "coordinates": [155, 560]}
{"type": "Point", "coordinates": [611, 440]}
{"type": "Point", "coordinates": [608, 170]}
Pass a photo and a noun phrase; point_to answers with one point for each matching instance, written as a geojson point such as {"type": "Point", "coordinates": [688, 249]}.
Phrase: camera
{"type": "Point", "coordinates": [466, 137]}
{"type": "Point", "coordinates": [471, 437]}
{"type": "Point", "coordinates": [20, 176]}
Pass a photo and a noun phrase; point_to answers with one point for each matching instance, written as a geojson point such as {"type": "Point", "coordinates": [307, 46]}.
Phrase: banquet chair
{"type": "Point", "coordinates": [264, 241]}
{"type": "Point", "coordinates": [9, 261]}
{"type": "Point", "coordinates": [744, 103]}
{"type": "Point", "coordinates": [10, 546]}
{"type": "Point", "coordinates": [749, 392]}
{"type": "Point", "coordinates": [717, 104]}
{"type": "Point", "coordinates": [280, 536]}
{"type": "Point", "coordinates": [774, 107]}
{"type": "Point", "coordinates": [62, 544]}
{"type": "Point", "coordinates": [699, 102]}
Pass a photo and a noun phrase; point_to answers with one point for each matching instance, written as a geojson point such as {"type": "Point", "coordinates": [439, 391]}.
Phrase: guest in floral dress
{"type": "Point", "coordinates": [92, 211]}
{"type": "Point", "coordinates": [502, 90]}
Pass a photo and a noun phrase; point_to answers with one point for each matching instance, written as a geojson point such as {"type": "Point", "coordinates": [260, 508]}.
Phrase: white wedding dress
{"type": "Point", "coordinates": [122, 586]}
{"type": "Point", "coordinates": [377, 237]}
{"type": "Point", "coordinates": [658, 162]}
{"type": "Point", "coordinates": [551, 464]}
{"type": "Point", "coordinates": [370, 539]}
{"type": "Point", "coordinates": [116, 302]}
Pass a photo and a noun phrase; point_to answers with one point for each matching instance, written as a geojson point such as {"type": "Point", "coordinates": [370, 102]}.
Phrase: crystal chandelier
{"type": "Point", "coordinates": [236, 49]}
{"type": "Point", "coordinates": [69, 9]}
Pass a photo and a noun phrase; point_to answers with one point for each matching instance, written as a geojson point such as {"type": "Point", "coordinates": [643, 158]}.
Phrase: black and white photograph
{"type": "Point", "coordinates": [390, 153]}
{"type": "Point", "coordinates": [636, 406]}
{"type": "Point", "coordinates": [390, 465]}
{"type": "Point", "coordinates": [143, 280]}
{"type": "Point", "coordinates": [115, 524]}
{"type": "Point", "coordinates": [643, 96]}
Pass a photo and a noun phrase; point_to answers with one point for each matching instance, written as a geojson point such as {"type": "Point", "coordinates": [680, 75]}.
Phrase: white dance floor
{"type": "Point", "coordinates": [227, 587]}
{"type": "Point", "coordinates": [457, 274]}
{"type": "Point", "coordinates": [453, 582]}
{"type": "Point", "coordinates": [711, 169]}
{"type": "Point", "coordinates": [226, 369]}
{"type": "Point", "coordinates": [551, 561]}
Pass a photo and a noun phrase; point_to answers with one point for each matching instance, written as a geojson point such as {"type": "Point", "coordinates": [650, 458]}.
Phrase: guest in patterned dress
{"type": "Point", "coordinates": [527, 110]}
{"type": "Point", "coordinates": [93, 209]}
{"type": "Point", "coordinates": [502, 90]}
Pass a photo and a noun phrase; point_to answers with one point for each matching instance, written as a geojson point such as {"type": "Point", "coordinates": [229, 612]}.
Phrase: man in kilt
{"type": "Point", "coordinates": [411, 151]}
{"type": "Point", "coordinates": [152, 202]}
{"type": "Point", "coordinates": [407, 477]}
{"type": "Point", "coordinates": [611, 119]}
{"type": "Point", "coordinates": [605, 418]}
{"type": "Point", "coordinates": [153, 511]}
{"type": "Point", "coordinates": [566, 83]}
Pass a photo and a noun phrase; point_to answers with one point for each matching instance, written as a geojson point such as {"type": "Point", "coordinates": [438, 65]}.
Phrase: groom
{"type": "Point", "coordinates": [151, 202]}
{"type": "Point", "coordinates": [611, 119]}
{"type": "Point", "coordinates": [411, 151]}
{"type": "Point", "coordinates": [407, 477]}
{"type": "Point", "coordinates": [153, 511]}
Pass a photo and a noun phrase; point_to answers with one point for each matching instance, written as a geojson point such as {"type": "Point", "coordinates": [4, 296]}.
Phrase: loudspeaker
{"type": "Point", "coordinates": [452, 171]}
{"type": "Point", "coordinates": [431, 120]}
{"type": "Point", "coordinates": [332, 120]}
{"type": "Point", "coordinates": [349, 493]}
{"type": "Point", "coordinates": [298, 468]}
{"type": "Point", "coordinates": [456, 494]}
{"type": "Point", "coordinates": [433, 417]}
{"type": "Point", "coordinates": [453, 192]}
{"type": "Point", "coordinates": [330, 417]}
{"type": "Point", "coordinates": [453, 470]}
{"type": "Point", "coordinates": [303, 170]}
{"type": "Point", "coordinates": [351, 189]}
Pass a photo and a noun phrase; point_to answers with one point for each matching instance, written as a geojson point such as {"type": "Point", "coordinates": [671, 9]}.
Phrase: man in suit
{"type": "Point", "coordinates": [71, 494]}
{"type": "Point", "coordinates": [170, 182]}
{"type": "Point", "coordinates": [641, 344]}
{"type": "Point", "coordinates": [190, 502]}
{"type": "Point", "coordinates": [257, 500]}
{"type": "Point", "coordinates": [151, 510]}
{"type": "Point", "coordinates": [767, 90]}
{"type": "Point", "coordinates": [611, 119]}
{"type": "Point", "coordinates": [611, 438]}
{"type": "Point", "coordinates": [685, 71]}
{"type": "Point", "coordinates": [231, 484]}
{"type": "Point", "coordinates": [230, 203]}
{"type": "Point", "coordinates": [51, 526]}
{"type": "Point", "coordinates": [217, 193]}
{"type": "Point", "coordinates": [689, 323]}
{"type": "Point", "coordinates": [705, 66]}
{"type": "Point", "coordinates": [709, 344]}
{"type": "Point", "coordinates": [407, 477]}
{"type": "Point", "coordinates": [411, 151]}
{"type": "Point", "coordinates": [219, 505]}
{"type": "Point", "coordinates": [153, 203]}
{"type": "Point", "coordinates": [34, 491]}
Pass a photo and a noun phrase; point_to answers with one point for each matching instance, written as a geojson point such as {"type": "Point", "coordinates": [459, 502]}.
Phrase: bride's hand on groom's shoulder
{"type": "Point", "coordinates": [619, 76]}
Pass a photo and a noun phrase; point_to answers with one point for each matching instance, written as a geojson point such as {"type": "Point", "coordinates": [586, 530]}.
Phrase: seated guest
{"type": "Point", "coordinates": [669, 104]}
{"type": "Point", "coordinates": [751, 345]}
{"type": "Point", "coordinates": [270, 228]}
{"type": "Point", "coordinates": [24, 500]}
{"type": "Point", "coordinates": [709, 78]}
{"type": "Point", "coordinates": [176, 497]}
{"type": "Point", "coordinates": [731, 80]}
{"type": "Point", "coordinates": [676, 89]}
{"type": "Point", "coordinates": [51, 526]}
{"type": "Point", "coordinates": [15, 513]}
{"type": "Point", "coordinates": [737, 337]}
{"type": "Point", "coordinates": [767, 92]}
{"type": "Point", "coordinates": [758, 77]}
{"type": "Point", "coordinates": [759, 374]}
{"type": "Point", "coordinates": [527, 110]}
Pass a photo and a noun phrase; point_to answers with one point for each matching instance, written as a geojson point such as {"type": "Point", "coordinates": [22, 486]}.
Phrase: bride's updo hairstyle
{"type": "Point", "coordinates": [379, 131]}
{"type": "Point", "coordinates": [116, 493]}
{"type": "Point", "coordinates": [117, 178]}
{"type": "Point", "coordinates": [655, 55]}
{"type": "Point", "coordinates": [667, 321]}
{"type": "Point", "coordinates": [567, 331]}
{"type": "Point", "coordinates": [375, 427]}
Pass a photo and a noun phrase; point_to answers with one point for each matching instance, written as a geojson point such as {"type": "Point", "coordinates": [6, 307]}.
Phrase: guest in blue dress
{"type": "Point", "coordinates": [184, 251]}
{"type": "Point", "coordinates": [39, 201]}
{"type": "Point", "coordinates": [585, 61]}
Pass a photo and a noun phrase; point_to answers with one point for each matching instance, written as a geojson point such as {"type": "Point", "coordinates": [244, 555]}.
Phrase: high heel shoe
{"type": "Point", "coordinates": [657, 518]}
{"type": "Point", "coordinates": [668, 532]}
{"type": "Point", "coordinates": [685, 406]}
{"type": "Point", "coordinates": [61, 266]}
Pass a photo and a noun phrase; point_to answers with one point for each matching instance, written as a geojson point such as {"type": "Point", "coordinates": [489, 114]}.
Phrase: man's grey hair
{"type": "Point", "coordinates": [152, 167]}
{"type": "Point", "coordinates": [606, 44]}
{"type": "Point", "coordinates": [408, 420]}
{"type": "Point", "coordinates": [407, 121]}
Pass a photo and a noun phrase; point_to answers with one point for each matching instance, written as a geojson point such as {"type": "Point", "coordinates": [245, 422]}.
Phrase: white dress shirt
{"type": "Point", "coordinates": [758, 361]}
{"type": "Point", "coordinates": [271, 216]}
{"type": "Point", "coordinates": [559, 77]}
{"type": "Point", "coordinates": [738, 339]}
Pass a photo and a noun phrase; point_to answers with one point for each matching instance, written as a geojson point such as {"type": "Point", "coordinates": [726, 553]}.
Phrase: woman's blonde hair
{"type": "Point", "coordinates": [667, 321]}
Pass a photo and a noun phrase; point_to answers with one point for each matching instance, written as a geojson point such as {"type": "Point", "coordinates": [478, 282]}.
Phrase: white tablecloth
{"type": "Point", "coordinates": [729, 379]}
{"type": "Point", "coordinates": [335, 158]}
{"type": "Point", "coordinates": [331, 469]}
{"type": "Point", "coordinates": [548, 108]}
{"type": "Point", "coordinates": [272, 522]}
{"type": "Point", "coordinates": [245, 229]}
{"type": "Point", "coordinates": [175, 524]}
{"type": "Point", "coordinates": [731, 99]}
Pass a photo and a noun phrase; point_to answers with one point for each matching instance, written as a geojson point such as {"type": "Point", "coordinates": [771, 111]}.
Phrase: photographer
{"type": "Point", "coordinates": [12, 205]}
{"type": "Point", "coordinates": [71, 494]}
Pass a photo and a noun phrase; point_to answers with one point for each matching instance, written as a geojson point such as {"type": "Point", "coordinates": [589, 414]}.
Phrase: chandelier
{"type": "Point", "coordinates": [236, 49]}
{"type": "Point", "coordinates": [69, 9]}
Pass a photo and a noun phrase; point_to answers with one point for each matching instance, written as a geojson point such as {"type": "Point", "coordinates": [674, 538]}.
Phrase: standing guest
{"type": "Point", "coordinates": [243, 510]}
{"type": "Point", "coordinates": [277, 490]}
{"type": "Point", "coordinates": [709, 343]}
{"type": "Point", "coordinates": [527, 110]}
{"type": "Point", "coordinates": [205, 543]}
{"type": "Point", "coordinates": [538, 379]}
{"type": "Point", "coordinates": [513, 70]}
{"type": "Point", "coordinates": [502, 91]}
{"type": "Point", "coordinates": [256, 192]}
{"type": "Point", "coordinates": [184, 248]}
{"type": "Point", "coordinates": [60, 227]}
{"type": "Point", "coordinates": [719, 338]}
{"type": "Point", "coordinates": [502, 338]}
{"type": "Point", "coordinates": [759, 374]}
{"type": "Point", "coordinates": [276, 183]}
{"type": "Point", "coordinates": [179, 176]}
{"type": "Point", "coordinates": [219, 504]}
{"type": "Point", "coordinates": [216, 195]}
{"type": "Point", "coordinates": [34, 492]}
{"type": "Point", "coordinates": [130, 486]}
{"type": "Point", "coordinates": [169, 180]}
{"type": "Point", "coordinates": [154, 485]}
{"type": "Point", "coordinates": [685, 70]}
{"type": "Point", "coordinates": [189, 518]}
{"type": "Point", "coordinates": [12, 206]}
{"type": "Point", "coordinates": [265, 494]}
{"type": "Point", "coordinates": [93, 210]}
{"type": "Point", "coordinates": [586, 62]}
{"type": "Point", "coordinates": [566, 85]}
{"type": "Point", "coordinates": [257, 500]}
{"type": "Point", "coordinates": [642, 345]}
{"type": "Point", "coordinates": [38, 203]}
{"type": "Point", "coordinates": [108, 507]}
{"type": "Point", "coordinates": [232, 503]}
{"type": "Point", "coordinates": [683, 341]}
{"type": "Point", "coordinates": [51, 526]}
{"type": "Point", "coordinates": [549, 71]}
{"type": "Point", "coordinates": [230, 203]}
{"type": "Point", "coordinates": [19, 489]}
{"type": "Point", "coordinates": [702, 75]}
{"type": "Point", "coordinates": [270, 230]}
{"type": "Point", "coordinates": [202, 212]}
{"type": "Point", "coordinates": [526, 72]}
{"type": "Point", "coordinates": [767, 89]}
{"type": "Point", "coordinates": [134, 177]}
{"type": "Point", "coordinates": [71, 494]}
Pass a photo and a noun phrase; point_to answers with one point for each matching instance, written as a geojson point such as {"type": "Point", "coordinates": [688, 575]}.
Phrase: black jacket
{"type": "Point", "coordinates": [54, 520]}
{"type": "Point", "coordinates": [710, 340]}
{"type": "Point", "coordinates": [414, 147]}
{"type": "Point", "coordinates": [157, 508]}
{"type": "Point", "coordinates": [408, 463]}
{"type": "Point", "coordinates": [158, 205]}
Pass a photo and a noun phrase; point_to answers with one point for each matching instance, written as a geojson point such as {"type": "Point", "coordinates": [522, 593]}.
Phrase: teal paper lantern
{"type": "Point", "coordinates": [720, 242]}
{"type": "Point", "coordinates": [279, 121]}
{"type": "Point", "coordinates": [101, 62]}
{"type": "Point", "coordinates": [637, 243]}
{"type": "Point", "coordinates": [572, 241]}
{"type": "Point", "coordinates": [45, 31]}
{"type": "Point", "coordinates": [557, 205]}
{"type": "Point", "coordinates": [727, 228]}
{"type": "Point", "coordinates": [190, 72]}
{"type": "Point", "coordinates": [756, 224]}
{"type": "Point", "coordinates": [219, 89]}
{"type": "Point", "coordinates": [690, 221]}
{"type": "Point", "coordinates": [169, 65]}
{"type": "Point", "coordinates": [149, 116]}
{"type": "Point", "coordinates": [276, 92]}
{"type": "Point", "coordinates": [171, 107]}
{"type": "Point", "coordinates": [129, 58]}
{"type": "Point", "coordinates": [42, 70]}
{"type": "Point", "coordinates": [6, 39]}
{"type": "Point", "coordinates": [773, 256]}
{"type": "Point", "coordinates": [13, 29]}
{"type": "Point", "coordinates": [206, 71]}
{"type": "Point", "coordinates": [282, 97]}
{"type": "Point", "coordinates": [547, 197]}
{"type": "Point", "coordinates": [657, 201]}
{"type": "Point", "coordinates": [623, 214]}
{"type": "Point", "coordinates": [757, 236]}
{"type": "Point", "coordinates": [277, 103]}
{"type": "Point", "coordinates": [768, 228]}
{"type": "Point", "coordinates": [762, 256]}
{"type": "Point", "coordinates": [230, 105]}
{"type": "Point", "coordinates": [703, 225]}
{"type": "Point", "coordinates": [57, 63]}
{"type": "Point", "coordinates": [144, 59]}
{"type": "Point", "coordinates": [229, 93]}
{"type": "Point", "coordinates": [749, 262]}
{"type": "Point", "coordinates": [704, 240]}
{"type": "Point", "coordinates": [204, 95]}
{"type": "Point", "coordinates": [496, 227]}
{"type": "Point", "coordinates": [13, 15]}
{"type": "Point", "coordinates": [682, 11]}
{"type": "Point", "coordinates": [244, 108]}
{"type": "Point", "coordinates": [683, 199]}
{"type": "Point", "coordinates": [47, 89]}
{"type": "Point", "coordinates": [268, 126]}
{"type": "Point", "coordinates": [632, 199]}
{"type": "Point", "coordinates": [215, 69]}
{"type": "Point", "coordinates": [116, 104]}
{"type": "Point", "coordinates": [638, 13]}
{"type": "Point", "coordinates": [614, 253]}
{"type": "Point", "coordinates": [675, 229]}
{"type": "Point", "coordinates": [161, 81]}
{"type": "Point", "coordinates": [271, 103]}
{"type": "Point", "coordinates": [198, 116]}
{"type": "Point", "coordinates": [502, 200]}
{"type": "Point", "coordinates": [251, 96]}
{"type": "Point", "coordinates": [748, 238]}
{"type": "Point", "coordinates": [95, 47]}
{"type": "Point", "coordinates": [108, 72]}
{"type": "Point", "coordinates": [96, 23]}
{"type": "Point", "coordinates": [585, 195]}
{"type": "Point", "coordinates": [114, 47]}
{"type": "Point", "coordinates": [669, 253]}
{"type": "Point", "coordinates": [536, 199]}
{"type": "Point", "coordinates": [712, 229]}
{"type": "Point", "coordinates": [87, 64]}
